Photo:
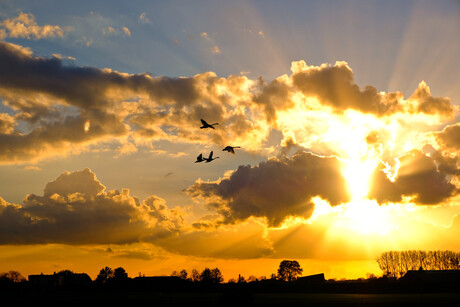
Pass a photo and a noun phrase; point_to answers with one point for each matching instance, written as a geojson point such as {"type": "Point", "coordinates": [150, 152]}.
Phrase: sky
{"type": "Point", "coordinates": [346, 114]}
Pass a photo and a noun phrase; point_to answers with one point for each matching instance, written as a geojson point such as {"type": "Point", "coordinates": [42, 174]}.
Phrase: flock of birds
{"type": "Point", "coordinates": [200, 157]}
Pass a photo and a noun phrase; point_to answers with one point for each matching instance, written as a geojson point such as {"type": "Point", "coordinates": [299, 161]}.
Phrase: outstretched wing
{"type": "Point", "coordinates": [204, 122]}
{"type": "Point", "coordinates": [210, 156]}
{"type": "Point", "coordinates": [200, 157]}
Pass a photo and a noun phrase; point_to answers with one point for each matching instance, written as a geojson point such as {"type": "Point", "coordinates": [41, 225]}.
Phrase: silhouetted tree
{"type": "Point", "coordinates": [397, 263]}
{"type": "Point", "coordinates": [289, 270]}
{"type": "Point", "coordinates": [104, 275]}
{"type": "Point", "coordinates": [205, 276]}
{"type": "Point", "coordinates": [195, 276]}
{"type": "Point", "coordinates": [216, 276]}
{"type": "Point", "coordinates": [120, 274]}
{"type": "Point", "coordinates": [252, 278]}
{"type": "Point", "coordinates": [209, 276]}
{"type": "Point", "coordinates": [12, 276]}
{"type": "Point", "coordinates": [183, 274]}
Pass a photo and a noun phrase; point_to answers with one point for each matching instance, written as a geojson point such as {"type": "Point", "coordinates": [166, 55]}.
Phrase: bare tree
{"type": "Point", "coordinates": [397, 263]}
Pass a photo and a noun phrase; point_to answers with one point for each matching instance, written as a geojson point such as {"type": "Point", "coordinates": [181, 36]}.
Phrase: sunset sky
{"type": "Point", "coordinates": [346, 112]}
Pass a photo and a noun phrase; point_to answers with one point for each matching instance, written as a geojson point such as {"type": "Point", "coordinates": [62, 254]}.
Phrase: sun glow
{"type": "Point", "coordinates": [357, 174]}
{"type": "Point", "coordinates": [366, 217]}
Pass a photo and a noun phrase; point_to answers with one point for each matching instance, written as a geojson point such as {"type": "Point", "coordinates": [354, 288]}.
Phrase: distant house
{"type": "Point", "coordinates": [312, 279]}
{"type": "Point", "coordinates": [432, 276]}
{"type": "Point", "coordinates": [60, 280]}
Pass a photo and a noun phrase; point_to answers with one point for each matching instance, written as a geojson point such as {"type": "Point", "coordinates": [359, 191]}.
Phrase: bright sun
{"type": "Point", "coordinates": [357, 174]}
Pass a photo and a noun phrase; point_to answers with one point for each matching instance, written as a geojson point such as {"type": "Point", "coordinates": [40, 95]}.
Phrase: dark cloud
{"type": "Point", "coordinates": [431, 105]}
{"type": "Point", "coordinates": [75, 208]}
{"type": "Point", "coordinates": [55, 100]}
{"type": "Point", "coordinates": [52, 102]}
{"type": "Point", "coordinates": [57, 137]}
{"type": "Point", "coordinates": [273, 96]}
{"type": "Point", "coordinates": [84, 87]}
{"type": "Point", "coordinates": [449, 137]}
{"type": "Point", "coordinates": [275, 189]}
{"type": "Point", "coordinates": [335, 86]}
{"type": "Point", "coordinates": [419, 177]}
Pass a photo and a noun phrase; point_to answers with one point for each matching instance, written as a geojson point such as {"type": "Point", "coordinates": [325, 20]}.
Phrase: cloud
{"type": "Point", "coordinates": [143, 18]}
{"type": "Point", "coordinates": [418, 177]}
{"type": "Point", "coordinates": [313, 108]}
{"type": "Point", "coordinates": [25, 26]}
{"type": "Point", "coordinates": [275, 189]}
{"type": "Point", "coordinates": [111, 31]}
{"type": "Point", "coordinates": [204, 35]}
{"type": "Point", "coordinates": [449, 137]}
{"type": "Point", "coordinates": [428, 104]}
{"type": "Point", "coordinates": [76, 209]}
{"type": "Point", "coordinates": [335, 86]}
{"type": "Point", "coordinates": [215, 49]}
{"type": "Point", "coordinates": [126, 31]}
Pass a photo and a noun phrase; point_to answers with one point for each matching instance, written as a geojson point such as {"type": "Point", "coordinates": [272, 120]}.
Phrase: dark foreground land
{"type": "Point", "coordinates": [167, 292]}
{"type": "Point", "coordinates": [131, 298]}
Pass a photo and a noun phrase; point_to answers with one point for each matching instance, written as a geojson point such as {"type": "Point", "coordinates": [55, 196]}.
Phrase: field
{"type": "Point", "coordinates": [77, 298]}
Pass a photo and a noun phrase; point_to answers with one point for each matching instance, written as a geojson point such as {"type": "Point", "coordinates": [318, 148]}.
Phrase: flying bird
{"type": "Point", "coordinates": [230, 149]}
{"type": "Point", "coordinates": [206, 125]}
{"type": "Point", "coordinates": [199, 158]}
{"type": "Point", "coordinates": [209, 159]}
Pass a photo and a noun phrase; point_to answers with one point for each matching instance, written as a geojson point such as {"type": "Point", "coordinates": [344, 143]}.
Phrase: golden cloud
{"type": "Point", "coordinates": [25, 26]}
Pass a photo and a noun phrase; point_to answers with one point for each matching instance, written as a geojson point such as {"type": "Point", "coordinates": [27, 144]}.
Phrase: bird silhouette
{"type": "Point", "coordinates": [210, 158]}
{"type": "Point", "coordinates": [230, 149]}
{"type": "Point", "coordinates": [206, 125]}
{"type": "Point", "coordinates": [199, 158]}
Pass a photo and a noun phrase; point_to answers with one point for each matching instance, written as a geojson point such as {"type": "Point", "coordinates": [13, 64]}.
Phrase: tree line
{"type": "Point", "coordinates": [289, 270]}
{"type": "Point", "coordinates": [397, 263]}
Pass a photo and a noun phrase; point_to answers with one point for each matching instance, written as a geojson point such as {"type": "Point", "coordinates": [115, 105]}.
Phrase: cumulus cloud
{"type": "Point", "coordinates": [335, 86]}
{"type": "Point", "coordinates": [449, 137]}
{"type": "Point", "coordinates": [428, 104]}
{"type": "Point", "coordinates": [25, 26]}
{"type": "Point", "coordinates": [52, 101]}
{"type": "Point", "coordinates": [163, 108]}
{"type": "Point", "coordinates": [76, 209]}
{"type": "Point", "coordinates": [418, 177]}
{"type": "Point", "coordinates": [275, 189]}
